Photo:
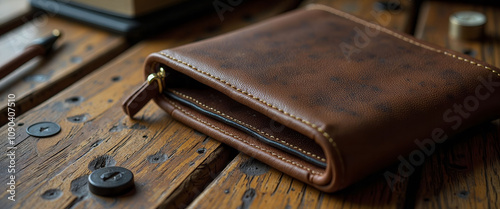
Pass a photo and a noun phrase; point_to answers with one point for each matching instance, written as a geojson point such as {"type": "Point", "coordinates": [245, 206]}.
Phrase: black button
{"type": "Point", "coordinates": [111, 181]}
{"type": "Point", "coordinates": [43, 129]}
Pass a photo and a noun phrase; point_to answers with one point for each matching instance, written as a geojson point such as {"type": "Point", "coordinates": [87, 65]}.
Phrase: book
{"type": "Point", "coordinates": [124, 8]}
{"type": "Point", "coordinates": [133, 28]}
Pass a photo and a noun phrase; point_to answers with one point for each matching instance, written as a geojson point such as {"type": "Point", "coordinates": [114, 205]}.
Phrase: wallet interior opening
{"type": "Point", "coordinates": [214, 104]}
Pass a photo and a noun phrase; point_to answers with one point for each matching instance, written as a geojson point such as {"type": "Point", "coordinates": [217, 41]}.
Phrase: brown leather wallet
{"type": "Point", "coordinates": [321, 95]}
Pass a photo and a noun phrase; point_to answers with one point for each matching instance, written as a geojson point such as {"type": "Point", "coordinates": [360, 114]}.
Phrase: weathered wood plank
{"type": "Point", "coordinates": [399, 16]}
{"type": "Point", "coordinates": [464, 173]}
{"type": "Point", "coordinates": [433, 27]}
{"type": "Point", "coordinates": [81, 50]}
{"type": "Point", "coordinates": [171, 162]}
{"type": "Point", "coordinates": [13, 13]}
{"type": "Point", "coordinates": [247, 183]}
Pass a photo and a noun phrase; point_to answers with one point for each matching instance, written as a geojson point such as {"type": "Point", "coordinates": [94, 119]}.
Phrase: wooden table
{"type": "Point", "coordinates": [80, 86]}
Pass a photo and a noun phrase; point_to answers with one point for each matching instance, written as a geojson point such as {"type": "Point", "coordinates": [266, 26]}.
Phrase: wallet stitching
{"type": "Point", "coordinates": [399, 36]}
{"type": "Point", "coordinates": [312, 125]}
{"type": "Point", "coordinates": [250, 126]}
{"type": "Point", "coordinates": [245, 141]}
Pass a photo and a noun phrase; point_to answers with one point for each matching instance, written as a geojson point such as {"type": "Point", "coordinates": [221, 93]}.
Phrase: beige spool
{"type": "Point", "coordinates": [468, 25]}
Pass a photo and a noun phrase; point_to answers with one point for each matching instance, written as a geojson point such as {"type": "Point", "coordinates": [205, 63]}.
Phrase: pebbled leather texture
{"type": "Point", "coordinates": [362, 107]}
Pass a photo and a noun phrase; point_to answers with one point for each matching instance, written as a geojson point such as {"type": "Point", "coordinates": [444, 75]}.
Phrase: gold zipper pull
{"type": "Point", "coordinates": [148, 90]}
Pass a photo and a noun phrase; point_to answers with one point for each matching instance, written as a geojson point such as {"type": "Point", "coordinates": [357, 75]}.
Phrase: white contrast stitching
{"type": "Point", "coordinates": [245, 141]}
{"type": "Point", "coordinates": [249, 126]}
{"type": "Point", "coordinates": [399, 36]}
{"type": "Point", "coordinates": [312, 125]}
{"type": "Point", "coordinates": [330, 139]}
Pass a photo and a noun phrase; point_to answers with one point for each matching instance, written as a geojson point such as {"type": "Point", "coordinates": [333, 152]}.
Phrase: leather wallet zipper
{"type": "Point", "coordinates": [245, 129]}
{"type": "Point", "coordinates": [155, 86]}
{"type": "Point", "coordinates": [150, 89]}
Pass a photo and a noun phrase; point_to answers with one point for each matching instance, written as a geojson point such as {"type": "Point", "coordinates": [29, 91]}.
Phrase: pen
{"type": "Point", "coordinates": [38, 47]}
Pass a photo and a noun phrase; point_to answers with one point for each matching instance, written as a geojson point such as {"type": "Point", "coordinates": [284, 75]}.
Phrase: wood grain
{"type": "Point", "coordinates": [464, 173]}
{"type": "Point", "coordinates": [14, 13]}
{"type": "Point", "coordinates": [399, 19]}
{"type": "Point", "coordinates": [433, 27]}
{"type": "Point", "coordinates": [171, 162]}
{"type": "Point", "coordinates": [247, 183]}
{"type": "Point", "coordinates": [80, 51]}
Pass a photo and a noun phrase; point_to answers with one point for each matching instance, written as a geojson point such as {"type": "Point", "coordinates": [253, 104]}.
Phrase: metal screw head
{"type": "Point", "coordinates": [43, 129]}
{"type": "Point", "coordinates": [467, 25]}
{"type": "Point", "coordinates": [111, 181]}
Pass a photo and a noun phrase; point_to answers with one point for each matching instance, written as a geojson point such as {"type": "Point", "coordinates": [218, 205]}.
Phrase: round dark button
{"type": "Point", "coordinates": [43, 129]}
{"type": "Point", "coordinates": [111, 181]}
